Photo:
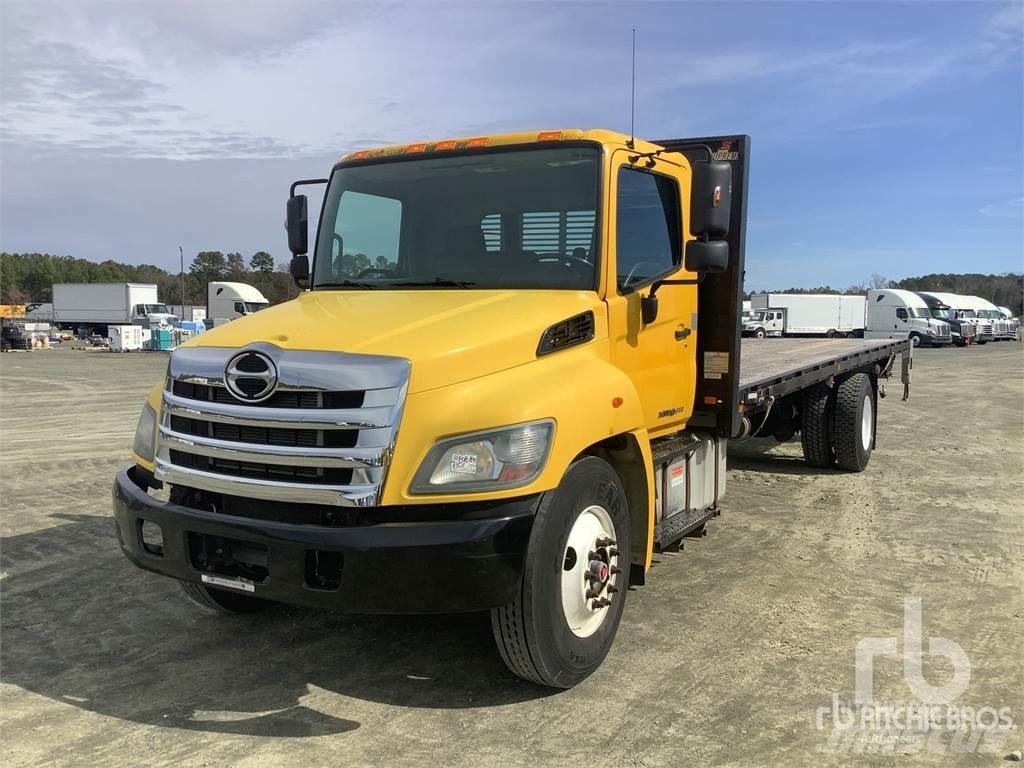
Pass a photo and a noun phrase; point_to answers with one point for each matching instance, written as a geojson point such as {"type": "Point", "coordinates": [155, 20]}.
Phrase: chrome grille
{"type": "Point", "coordinates": [325, 435]}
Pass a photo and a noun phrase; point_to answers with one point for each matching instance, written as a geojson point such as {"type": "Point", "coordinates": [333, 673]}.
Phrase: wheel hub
{"type": "Point", "coordinates": [590, 572]}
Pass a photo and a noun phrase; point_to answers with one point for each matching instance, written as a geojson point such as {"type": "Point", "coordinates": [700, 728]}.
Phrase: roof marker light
{"type": "Point", "coordinates": [549, 136]}
{"type": "Point", "coordinates": [360, 155]}
{"type": "Point", "coordinates": [480, 141]}
{"type": "Point", "coordinates": [444, 146]}
{"type": "Point", "coordinates": [413, 148]}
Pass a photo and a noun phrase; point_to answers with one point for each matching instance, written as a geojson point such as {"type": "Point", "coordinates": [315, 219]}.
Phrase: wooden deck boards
{"type": "Point", "coordinates": [764, 359]}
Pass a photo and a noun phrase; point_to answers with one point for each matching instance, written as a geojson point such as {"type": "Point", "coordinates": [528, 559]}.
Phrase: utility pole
{"type": "Point", "coordinates": [181, 253]}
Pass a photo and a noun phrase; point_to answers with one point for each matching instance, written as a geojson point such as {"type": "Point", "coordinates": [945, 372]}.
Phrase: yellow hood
{"type": "Point", "coordinates": [449, 335]}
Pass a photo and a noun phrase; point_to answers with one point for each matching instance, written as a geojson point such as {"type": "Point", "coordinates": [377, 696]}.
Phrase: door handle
{"type": "Point", "coordinates": [682, 332]}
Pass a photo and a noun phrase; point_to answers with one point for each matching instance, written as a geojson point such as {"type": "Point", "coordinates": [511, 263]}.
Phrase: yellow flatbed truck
{"type": "Point", "coordinates": [510, 381]}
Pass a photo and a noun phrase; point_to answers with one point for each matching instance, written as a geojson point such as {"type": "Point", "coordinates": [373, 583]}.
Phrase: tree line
{"type": "Point", "coordinates": [29, 277]}
{"type": "Point", "coordinates": [1006, 290]}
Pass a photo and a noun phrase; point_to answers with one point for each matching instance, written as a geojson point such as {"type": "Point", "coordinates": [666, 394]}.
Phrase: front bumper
{"type": "Point", "coordinates": [938, 341]}
{"type": "Point", "coordinates": [470, 560]}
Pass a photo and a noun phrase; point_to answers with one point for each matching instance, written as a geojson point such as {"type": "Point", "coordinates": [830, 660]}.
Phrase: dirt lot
{"type": "Point", "coordinates": [723, 658]}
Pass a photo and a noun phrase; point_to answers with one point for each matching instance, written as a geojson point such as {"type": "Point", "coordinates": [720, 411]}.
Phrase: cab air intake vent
{"type": "Point", "coordinates": [578, 329]}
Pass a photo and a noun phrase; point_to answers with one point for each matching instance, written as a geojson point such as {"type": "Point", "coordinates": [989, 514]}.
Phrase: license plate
{"type": "Point", "coordinates": [230, 582]}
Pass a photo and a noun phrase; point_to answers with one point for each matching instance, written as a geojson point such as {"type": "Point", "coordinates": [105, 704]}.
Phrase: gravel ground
{"type": "Point", "coordinates": [724, 658]}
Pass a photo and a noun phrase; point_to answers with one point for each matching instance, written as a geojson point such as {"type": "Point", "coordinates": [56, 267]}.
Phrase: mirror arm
{"type": "Point", "coordinates": [303, 182]}
{"type": "Point", "coordinates": [658, 283]}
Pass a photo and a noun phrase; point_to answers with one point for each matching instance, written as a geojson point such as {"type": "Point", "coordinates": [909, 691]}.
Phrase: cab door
{"type": "Point", "coordinates": [646, 233]}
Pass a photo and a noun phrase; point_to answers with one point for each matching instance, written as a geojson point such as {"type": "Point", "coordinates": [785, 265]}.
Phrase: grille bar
{"type": "Point", "coordinates": [342, 418]}
{"type": "Point", "coordinates": [301, 456]}
{"type": "Point", "coordinates": [271, 490]}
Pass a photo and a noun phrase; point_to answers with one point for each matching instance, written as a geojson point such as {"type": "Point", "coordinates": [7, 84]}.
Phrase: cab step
{"type": "Point", "coordinates": [685, 523]}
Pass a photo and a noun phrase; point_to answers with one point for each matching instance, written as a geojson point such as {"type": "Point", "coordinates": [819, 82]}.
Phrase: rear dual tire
{"type": "Point", "coordinates": [837, 427]}
{"type": "Point", "coordinates": [551, 634]}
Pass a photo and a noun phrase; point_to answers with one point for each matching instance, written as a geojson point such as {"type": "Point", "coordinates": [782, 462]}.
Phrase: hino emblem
{"type": "Point", "coordinates": [250, 376]}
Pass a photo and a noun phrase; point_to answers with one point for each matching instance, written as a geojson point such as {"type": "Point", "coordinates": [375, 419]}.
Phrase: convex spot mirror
{"type": "Point", "coordinates": [711, 199]}
{"type": "Point", "coordinates": [711, 256]}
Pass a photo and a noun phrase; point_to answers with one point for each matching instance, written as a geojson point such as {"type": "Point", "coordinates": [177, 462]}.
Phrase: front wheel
{"type": "Point", "coordinates": [561, 625]}
{"type": "Point", "coordinates": [915, 340]}
{"type": "Point", "coordinates": [759, 333]}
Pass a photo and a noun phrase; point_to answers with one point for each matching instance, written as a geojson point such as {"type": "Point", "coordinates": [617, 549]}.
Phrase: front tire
{"type": "Point", "coordinates": [221, 600]}
{"type": "Point", "coordinates": [561, 625]}
{"type": "Point", "coordinates": [915, 340]}
{"type": "Point", "coordinates": [759, 333]}
{"type": "Point", "coordinates": [854, 422]}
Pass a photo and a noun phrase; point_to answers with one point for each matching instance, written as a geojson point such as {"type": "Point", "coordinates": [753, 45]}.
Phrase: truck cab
{"type": "Point", "coordinates": [149, 315]}
{"type": "Point", "coordinates": [897, 314]}
{"type": "Point", "coordinates": [509, 381]}
{"type": "Point", "coordinates": [226, 301]}
{"type": "Point", "coordinates": [962, 332]}
{"type": "Point", "coordinates": [764, 322]}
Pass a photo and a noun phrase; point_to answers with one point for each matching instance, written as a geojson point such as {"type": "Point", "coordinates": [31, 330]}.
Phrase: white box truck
{"type": "Point", "coordinates": [97, 306]}
{"type": "Point", "coordinates": [228, 301]}
{"type": "Point", "coordinates": [805, 314]}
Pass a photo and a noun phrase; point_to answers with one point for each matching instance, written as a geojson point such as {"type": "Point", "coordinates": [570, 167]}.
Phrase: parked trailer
{"type": "Point", "coordinates": [806, 314]}
{"type": "Point", "coordinates": [553, 436]}
{"type": "Point", "coordinates": [98, 305]}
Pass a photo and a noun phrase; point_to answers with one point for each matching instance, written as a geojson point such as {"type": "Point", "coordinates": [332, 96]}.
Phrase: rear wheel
{"type": "Point", "coordinates": [559, 628]}
{"type": "Point", "coordinates": [221, 600]}
{"type": "Point", "coordinates": [854, 422]}
{"type": "Point", "coordinates": [815, 426]}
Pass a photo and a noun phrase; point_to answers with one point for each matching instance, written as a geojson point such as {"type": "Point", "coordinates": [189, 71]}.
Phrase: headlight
{"type": "Point", "coordinates": [931, 331]}
{"type": "Point", "coordinates": [494, 460]}
{"type": "Point", "coordinates": [145, 433]}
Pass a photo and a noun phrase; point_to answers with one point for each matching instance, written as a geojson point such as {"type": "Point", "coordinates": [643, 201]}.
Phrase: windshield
{"type": "Point", "coordinates": [753, 317]}
{"type": "Point", "coordinates": [990, 313]}
{"type": "Point", "coordinates": [255, 306]}
{"type": "Point", "coordinates": [966, 313]}
{"type": "Point", "coordinates": [155, 309]}
{"type": "Point", "coordinates": [516, 219]}
{"type": "Point", "coordinates": [942, 314]}
{"type": "Point", "coordinates": [920, 312]}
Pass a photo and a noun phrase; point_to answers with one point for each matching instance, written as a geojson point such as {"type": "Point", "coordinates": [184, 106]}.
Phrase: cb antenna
{"type": "Point", "coordinates": [632, 97]}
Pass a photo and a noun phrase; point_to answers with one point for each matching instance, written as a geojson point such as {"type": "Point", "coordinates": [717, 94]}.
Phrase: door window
{"type": "Point", "coordinates": [647, 241]}
{"type": "Point", "coordinates": [901, 313]}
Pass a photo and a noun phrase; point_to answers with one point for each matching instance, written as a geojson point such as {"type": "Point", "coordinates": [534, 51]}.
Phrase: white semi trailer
{"type": "Point", "coordinates": [805, 314]}
{"type": "Point", "coordinates": [228, 301]}
{"type": "Point", "coordinates": [96, 306]}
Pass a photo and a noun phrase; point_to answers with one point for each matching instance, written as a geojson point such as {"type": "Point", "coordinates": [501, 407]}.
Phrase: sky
{"type": "Point", "coordinates": [886, 137]}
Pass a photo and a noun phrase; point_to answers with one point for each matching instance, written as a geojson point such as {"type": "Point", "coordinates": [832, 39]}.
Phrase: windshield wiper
{"type": "Point", "coordinates": [437, 282]}
{"type": "Point", "coordinates": [346, 284]}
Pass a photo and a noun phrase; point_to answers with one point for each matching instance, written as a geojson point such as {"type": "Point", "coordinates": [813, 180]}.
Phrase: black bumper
{"type": "Point", "coordinates": [460, 563]}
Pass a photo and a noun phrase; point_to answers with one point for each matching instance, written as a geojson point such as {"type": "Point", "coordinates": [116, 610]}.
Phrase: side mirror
{"type": "Point", "coordinates": [706, 256]}
{"type": "Point", "coordinates": [297, 223]}
{"type": "Point", "coordinates": [711, 199]}
{"type": "Point", "coordinates": [299, 269]}
{"type": "Point", "coordinates": [649, 308]}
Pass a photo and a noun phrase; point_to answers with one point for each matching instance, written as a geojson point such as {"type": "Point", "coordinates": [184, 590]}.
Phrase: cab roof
{"type": "Point", "coordinates": [440, 146]}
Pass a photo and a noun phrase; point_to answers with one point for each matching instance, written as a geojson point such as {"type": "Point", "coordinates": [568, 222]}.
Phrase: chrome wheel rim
{"type": "Point", "coordinates": [591, 571]}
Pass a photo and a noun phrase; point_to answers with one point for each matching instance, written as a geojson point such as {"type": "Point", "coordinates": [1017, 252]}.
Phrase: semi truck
{"type": "Point", "coordinates": [805, 314]}
{"type": "Point", "coordinates": [892, 313]}
{"type": "Point", "coordinates": [963, 308]}
{"type": "Point", "coordinates": [95, 306]}
{"type": "Point", "coordinates": [521, 392]}
{"type": "Point", "coordinates": [962, 331]}
{"type": "Point", "coordinates": [1002, 330]}
{"type": "Point", "coordinates": [229, 301]}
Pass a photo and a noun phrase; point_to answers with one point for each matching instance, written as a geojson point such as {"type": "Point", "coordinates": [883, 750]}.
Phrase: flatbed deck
{"type": "Point", "coordinates": [776, 367]}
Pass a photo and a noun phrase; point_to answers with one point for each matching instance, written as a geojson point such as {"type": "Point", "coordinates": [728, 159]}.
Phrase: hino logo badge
{"type": "Point", "coordinates": [250, 376]}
